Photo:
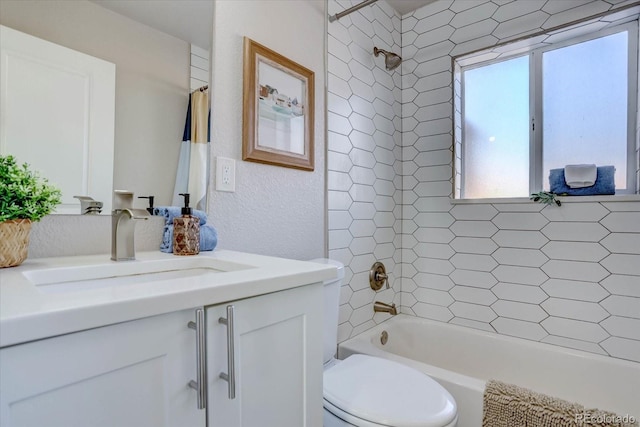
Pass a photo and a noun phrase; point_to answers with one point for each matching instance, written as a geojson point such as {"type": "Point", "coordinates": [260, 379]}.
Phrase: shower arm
{"type": "Point", "coordinates": [351, 9]}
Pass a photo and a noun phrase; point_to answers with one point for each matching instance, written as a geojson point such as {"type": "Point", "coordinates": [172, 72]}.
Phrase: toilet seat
{"type": "Point", "coordinates": [369, 391]}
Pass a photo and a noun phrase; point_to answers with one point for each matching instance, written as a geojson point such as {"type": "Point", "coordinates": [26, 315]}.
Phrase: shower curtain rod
{"type": "Point", "coordinates": [351, 9]}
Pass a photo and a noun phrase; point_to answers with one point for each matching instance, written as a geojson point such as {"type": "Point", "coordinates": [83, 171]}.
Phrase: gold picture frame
{"type": "Point", "coordinates": [278, 113]}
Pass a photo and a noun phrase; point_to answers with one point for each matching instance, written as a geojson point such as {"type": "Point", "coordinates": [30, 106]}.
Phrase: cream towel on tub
{"type": "Point", "coordinates": [507, 405]}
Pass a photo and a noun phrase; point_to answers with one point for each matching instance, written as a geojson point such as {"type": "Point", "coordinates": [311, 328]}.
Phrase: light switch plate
{"type": "Point", "coordinates": [225, 174]}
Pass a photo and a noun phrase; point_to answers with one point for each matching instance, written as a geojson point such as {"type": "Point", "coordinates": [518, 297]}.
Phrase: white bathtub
{"type": "Point", "coordinates": [463, 359]}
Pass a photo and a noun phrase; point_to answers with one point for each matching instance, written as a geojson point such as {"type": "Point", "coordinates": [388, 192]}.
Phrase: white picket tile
{"type": "Point", "coordinates": [575, 231]}
{"type": "Point", "coordinates": [516, 9]}
{"type": "Point", "coordinates": [433, 281]}
{"type": "Point", "coordinates": [625, 222]}
{"type": "Point", "coordinates": [575, 270]}
{"type": "Point", "coordinates": [483, 326]}
{"type": "Point", "coordinates": [431, 265]}
{"type": "Point", "coordinates": [431, 311]}
{"type": "Point", "coordinates": [575, 212]}
{"type": "Point", "coordinates": [520, 275]}
{"type": "Point", "coordinates": [575, 251]}
{"type": "Point", "coordinates": [622, 348]}
{"type": "Point", "coordinates": [575, 344]}
{"type": "Point", "coordinates": [520, 257]}
{"type": "Point", "coordinates": [474, 15]}
{"type": "Point", "coordinates": [520, 25]}
{"type": "Point", "coordinates": [572, 309]}
{"type": "Point", "coordinates": [519, 328]}
{"type": "Point", "coordinates": [433, 250]}
{"type": "Point", "coordinates": [622, 264]}
{"type": "Point", "coordinates": [478, 279]}
{"type": "Point", "coordinates": [625, 306]}
{"type": "Point", "coordinates": [432, 296]}
{"type": "Point", "coordinates": [519, 293]}
{"type": "Point", "coordinates": [575, 329]}
{"type": "Point", "coordinates": [433, 219]}
{"type": "Point", "coordinates": [474, 245]}
{"type": "Point", "coordinates": [473, 295]}
{"type": "Point", "coordinates": [472, 311]}
{"type": "Point", "coordinates": [433, 235]}
{"type": "Point", "coordinates": [622, 285]}
{"type": "Point", "coordinates": [519, 221]}
{"type": "Point", "coordinates": [576, 290]}
{"type": "Point", "coordinates": [474, 228]}
{"type": "Point", "coordinates": [474, 262]}
{"type": "Point", "coordinates": [362, 210]}
{"type": "Point", "coordinates": [473, 32]}
{"type": "Point", "coordinates": [520, 239]}
{"type": "Point", "coordinates": [622, 243]}
{"type": "Point", "coordinates": [624, 327]}
{"type": "Point", "coordinates": [519, 311]}
{"type": "Point", "coordinates": [474, 212]}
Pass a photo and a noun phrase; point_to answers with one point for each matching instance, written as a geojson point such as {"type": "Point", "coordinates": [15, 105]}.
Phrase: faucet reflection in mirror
{"type": "Point", "coordinates": [123, 226]}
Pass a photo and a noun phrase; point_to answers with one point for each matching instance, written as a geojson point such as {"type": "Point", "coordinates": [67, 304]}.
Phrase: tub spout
{"type": "Point", "coordinates": [381, 307]}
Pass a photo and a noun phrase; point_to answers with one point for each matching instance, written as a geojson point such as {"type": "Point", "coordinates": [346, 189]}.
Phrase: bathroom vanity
{"type": "Point", "coordinates": [220, 339]}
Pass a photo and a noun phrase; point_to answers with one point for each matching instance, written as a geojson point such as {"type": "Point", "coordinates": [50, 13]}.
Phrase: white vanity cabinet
{"type": "Point", "coordinates": [275, 342]}
{"type": "Point", "coordinates": [130, 374]}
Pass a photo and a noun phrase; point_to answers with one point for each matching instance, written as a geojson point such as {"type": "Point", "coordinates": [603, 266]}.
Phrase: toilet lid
{"type": "Point", "coordinates": [388, 393]}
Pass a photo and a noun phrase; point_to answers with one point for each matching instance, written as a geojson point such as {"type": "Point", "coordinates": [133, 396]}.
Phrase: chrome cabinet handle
{"type": "Point", "coordinates": [230, 376]}
{"type": "Point", "coordinates": [200, 384]}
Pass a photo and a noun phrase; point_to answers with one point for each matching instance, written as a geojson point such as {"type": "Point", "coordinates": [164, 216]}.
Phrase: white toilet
{"type": "Point", "coordinates": [367, 391]}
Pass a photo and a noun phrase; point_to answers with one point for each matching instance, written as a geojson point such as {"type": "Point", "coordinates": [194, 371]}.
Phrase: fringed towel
{"type": "Point", "coordinates": [507, 405]}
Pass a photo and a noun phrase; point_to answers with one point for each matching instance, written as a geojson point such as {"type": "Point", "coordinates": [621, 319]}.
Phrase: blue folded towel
{"type": "Point", "coordinates": [605, 183]}
{"type": "Point", "coordinates": [208, 238]}
{"type": "Point", "coordinates": [171, 212]}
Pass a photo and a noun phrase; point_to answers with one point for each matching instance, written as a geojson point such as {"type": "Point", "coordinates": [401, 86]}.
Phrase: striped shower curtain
{"type": "Point", "coordinates": [192, 173]}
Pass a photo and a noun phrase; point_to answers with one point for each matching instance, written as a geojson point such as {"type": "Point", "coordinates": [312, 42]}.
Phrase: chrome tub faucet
{"type": "Point", "coordinates": [381, 307]}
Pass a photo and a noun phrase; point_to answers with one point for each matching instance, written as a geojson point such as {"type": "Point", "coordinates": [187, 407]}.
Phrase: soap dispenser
{"type": "Point", "coordinates": [186, 231]}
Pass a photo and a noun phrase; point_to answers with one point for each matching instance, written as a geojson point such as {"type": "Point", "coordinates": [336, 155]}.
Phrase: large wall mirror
{"type": "Point", "coordinates": [150, 42]}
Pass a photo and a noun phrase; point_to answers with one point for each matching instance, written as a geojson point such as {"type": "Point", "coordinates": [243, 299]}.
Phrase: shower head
{"type": "Point", "coordinates": [391, 60]}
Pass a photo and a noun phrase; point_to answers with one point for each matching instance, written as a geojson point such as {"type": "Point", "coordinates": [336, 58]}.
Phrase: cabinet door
{"type": "Point", "coordinates": [130, 374]}
{"type": "Point", "coordinates": [278, 360]}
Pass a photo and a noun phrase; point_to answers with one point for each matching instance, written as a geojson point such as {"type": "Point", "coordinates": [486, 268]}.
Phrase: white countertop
{"type": "Point", "coordinates": [29, 311]}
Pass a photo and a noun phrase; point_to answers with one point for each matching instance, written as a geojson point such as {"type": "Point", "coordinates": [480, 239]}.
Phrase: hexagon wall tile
{"type": "Point", "coordinates": [566, 276]}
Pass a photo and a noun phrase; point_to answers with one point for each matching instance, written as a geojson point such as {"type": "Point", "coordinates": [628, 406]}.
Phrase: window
{"type": "Point", "coordinates": [568, 102]}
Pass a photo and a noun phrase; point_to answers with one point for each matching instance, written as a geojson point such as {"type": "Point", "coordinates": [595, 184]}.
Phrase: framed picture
{"type": "Point", "coordinates": [278, 109]}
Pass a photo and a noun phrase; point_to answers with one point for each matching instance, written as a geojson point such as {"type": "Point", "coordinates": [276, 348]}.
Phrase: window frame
{"type": "Point", "coordinates": [536, 143]}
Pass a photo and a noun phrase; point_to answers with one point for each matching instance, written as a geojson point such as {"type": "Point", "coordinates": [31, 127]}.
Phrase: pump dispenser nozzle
{"type": "Point", "coordinates": [186, 210]}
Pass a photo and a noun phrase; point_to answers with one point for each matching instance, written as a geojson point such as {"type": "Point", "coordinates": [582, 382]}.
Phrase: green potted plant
{"type": "Point", "coordinates": [25, 197]}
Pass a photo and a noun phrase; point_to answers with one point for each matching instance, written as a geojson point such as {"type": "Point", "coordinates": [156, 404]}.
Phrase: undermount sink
{"type": "Point", "coordinates": [115, 274]}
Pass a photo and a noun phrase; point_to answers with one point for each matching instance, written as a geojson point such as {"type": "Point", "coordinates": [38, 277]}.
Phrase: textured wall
{"type": "Point", "coordinates": [274, 210]}
{"type": "Point", "coordinates": [567, 276]}
{"type": "Point", "coordinates": [364, 158]}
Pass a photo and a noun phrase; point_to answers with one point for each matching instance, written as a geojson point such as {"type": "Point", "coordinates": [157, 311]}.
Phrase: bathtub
{"type": "Point", "coordinates": [463, 359]}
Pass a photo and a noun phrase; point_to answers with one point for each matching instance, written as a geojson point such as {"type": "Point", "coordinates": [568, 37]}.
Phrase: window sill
{"type": "Point", "coordinates": [563, 199]}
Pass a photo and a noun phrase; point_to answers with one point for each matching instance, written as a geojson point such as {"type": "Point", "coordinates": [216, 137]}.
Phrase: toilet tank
{"type": "Point", "coordinates": [331, 296]}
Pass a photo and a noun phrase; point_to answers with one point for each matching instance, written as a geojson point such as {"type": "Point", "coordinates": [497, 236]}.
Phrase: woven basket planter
{"type": "Point", "coordinates": [14, 242]}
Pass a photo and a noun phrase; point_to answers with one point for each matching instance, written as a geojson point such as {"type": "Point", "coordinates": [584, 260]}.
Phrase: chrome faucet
{"type": "Point", "coordinates": [123, 226]}
{"type": "Point", "coordinates": [381, 307]}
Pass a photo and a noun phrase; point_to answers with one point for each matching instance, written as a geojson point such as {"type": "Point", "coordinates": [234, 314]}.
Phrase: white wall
{"type": "Point", "coordinates": [152, 87]}
{"type": "Point", "coordinates": [567, 275]}
{"type": "Point", "coordinates": [274, 210]}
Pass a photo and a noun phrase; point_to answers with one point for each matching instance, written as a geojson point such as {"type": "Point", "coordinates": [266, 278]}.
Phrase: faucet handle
{"type": "Point", "coordinates": [122, 199]}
